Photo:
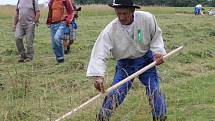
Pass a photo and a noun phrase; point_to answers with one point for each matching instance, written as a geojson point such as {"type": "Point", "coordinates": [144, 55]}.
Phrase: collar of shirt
{"type": "Point", "coordinates": [129, 29]}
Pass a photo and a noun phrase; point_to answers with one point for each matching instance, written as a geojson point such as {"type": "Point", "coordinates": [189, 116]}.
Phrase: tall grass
{"type": "Point", "coordinates": [42, 90]}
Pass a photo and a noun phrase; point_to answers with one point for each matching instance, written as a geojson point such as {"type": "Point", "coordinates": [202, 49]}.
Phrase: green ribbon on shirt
{"type": "Point", "coordinates": [139, 36]}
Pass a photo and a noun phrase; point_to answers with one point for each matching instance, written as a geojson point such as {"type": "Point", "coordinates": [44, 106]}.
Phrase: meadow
{"type": "Point", "coordinates": [43, 91]}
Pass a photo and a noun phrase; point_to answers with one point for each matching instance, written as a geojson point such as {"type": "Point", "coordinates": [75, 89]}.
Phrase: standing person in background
{"type": "Point", "coordinates": [26, 17]}
{"type": "Point", "coordinates": [57, 22]}
{"type": "Point", "coordinates": [135, 40]}
{"type": "Point", "coordinates": [70, 30]}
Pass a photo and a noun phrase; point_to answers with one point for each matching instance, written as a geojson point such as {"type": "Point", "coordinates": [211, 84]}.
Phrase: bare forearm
{"type": "Point", "coordinates": [15, 19]}
{"type": "Point", "coordinates": [37, 17]}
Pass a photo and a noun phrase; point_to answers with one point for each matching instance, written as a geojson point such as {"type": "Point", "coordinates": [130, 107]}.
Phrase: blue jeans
{"type": "Point", "coordinates": [149, 79]}
{"type": "Point", "coordinates": [57, 40]}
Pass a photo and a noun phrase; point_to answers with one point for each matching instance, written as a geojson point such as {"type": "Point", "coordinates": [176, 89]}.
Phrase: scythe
{"type": "Point", "coordinates": [118, 84]}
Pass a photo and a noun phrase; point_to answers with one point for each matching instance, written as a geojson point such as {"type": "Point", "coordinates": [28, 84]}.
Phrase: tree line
{"type": "Point", "coordinates": [174, 3]}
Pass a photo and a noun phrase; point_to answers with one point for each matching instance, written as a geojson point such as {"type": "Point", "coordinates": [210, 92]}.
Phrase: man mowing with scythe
{"type": "Point", "coordinates": [135, 40]}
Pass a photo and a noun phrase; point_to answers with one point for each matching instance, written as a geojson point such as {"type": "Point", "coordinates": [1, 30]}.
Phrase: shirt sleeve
{"type": "Point", "coordinates": [99, 55]}
{"type": "Point", "coordinates": [157, 44]}
{"type": "Point", "coordinates": [69, 9]}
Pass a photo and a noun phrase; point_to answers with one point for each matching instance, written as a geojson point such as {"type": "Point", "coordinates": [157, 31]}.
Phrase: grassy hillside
{"type": "Point", "coordinates": [41, 90]}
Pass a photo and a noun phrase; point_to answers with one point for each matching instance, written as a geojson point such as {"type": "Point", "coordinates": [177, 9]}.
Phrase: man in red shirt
{"type": "Point", "coordinates": [57, 22]}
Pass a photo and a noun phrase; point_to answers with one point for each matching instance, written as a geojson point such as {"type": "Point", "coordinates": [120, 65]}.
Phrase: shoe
{"type": "Point", "coordinates": [60, 61]}
{"type": "Point", "coordinates": [21, 60]}
{"type": "Point", "coordinates": [28, 59]}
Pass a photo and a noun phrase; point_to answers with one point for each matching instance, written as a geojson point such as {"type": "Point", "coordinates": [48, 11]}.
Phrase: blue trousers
{"type": "Point", "coordinates": [197, 10]}
{"type": "Point", "coordinates": [149, 79]}
{"type": "Point", "coordinates": [57, 32]}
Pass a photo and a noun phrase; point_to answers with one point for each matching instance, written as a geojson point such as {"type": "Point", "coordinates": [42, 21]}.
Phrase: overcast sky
{"type": "Point", "coordinates": [13, 2]}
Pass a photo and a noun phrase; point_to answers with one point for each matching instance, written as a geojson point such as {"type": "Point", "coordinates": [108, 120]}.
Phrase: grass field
{"type": "Point", "coordinates": [43, 91]}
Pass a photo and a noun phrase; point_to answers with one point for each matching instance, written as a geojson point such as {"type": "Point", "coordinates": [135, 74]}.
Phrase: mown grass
{"type": "Point", "coordinates": [42, 90]}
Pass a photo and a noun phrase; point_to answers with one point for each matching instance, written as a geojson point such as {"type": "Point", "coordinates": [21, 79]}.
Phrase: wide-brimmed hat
{"type": "Point", "coordinates": [123, 4]}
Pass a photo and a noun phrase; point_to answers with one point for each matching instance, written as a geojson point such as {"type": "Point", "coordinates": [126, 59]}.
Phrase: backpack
{"type": "Point", "coordinates": [33, 3]}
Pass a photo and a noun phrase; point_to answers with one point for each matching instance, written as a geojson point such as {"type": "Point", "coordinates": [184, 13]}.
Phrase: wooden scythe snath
{"type": "Point", "coordinates": [119, 84]}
